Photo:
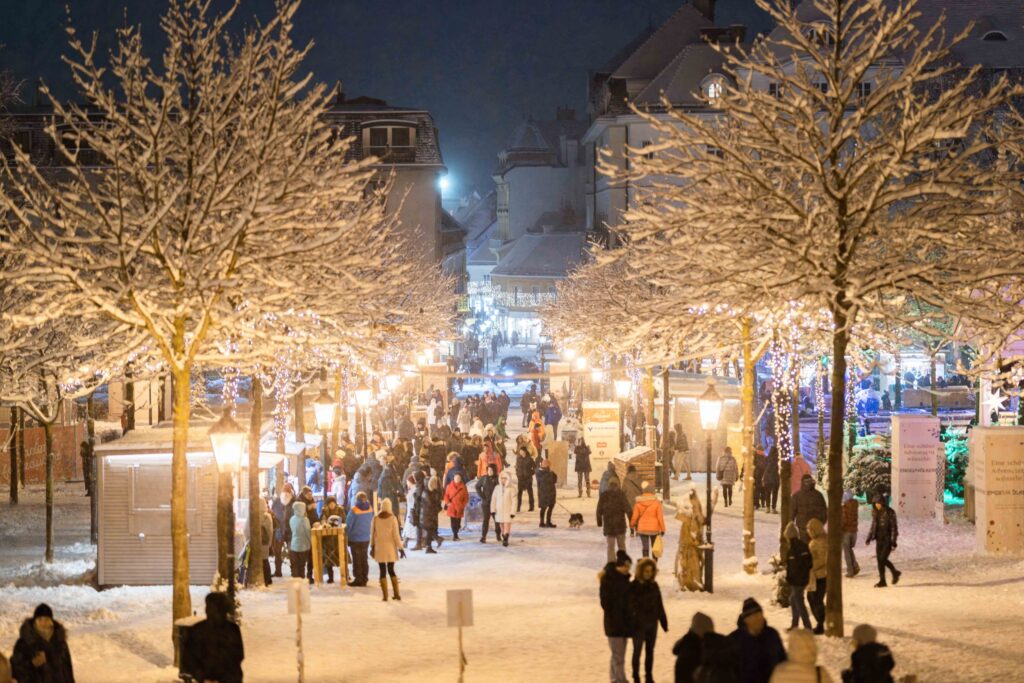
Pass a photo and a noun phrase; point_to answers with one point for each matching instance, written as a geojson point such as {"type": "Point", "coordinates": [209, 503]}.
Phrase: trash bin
{"type": "Point", "coordinates": [179, 637]}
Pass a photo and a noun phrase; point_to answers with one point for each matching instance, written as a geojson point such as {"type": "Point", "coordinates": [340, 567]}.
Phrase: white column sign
{"type": "Point", "coordinates": [916, 450]}
{"type": "Point", "coordinates": [997, 455]}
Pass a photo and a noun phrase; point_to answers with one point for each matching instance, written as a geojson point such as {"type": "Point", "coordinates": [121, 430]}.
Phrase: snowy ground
{"type": "Point", "coordinates": [954, 617]}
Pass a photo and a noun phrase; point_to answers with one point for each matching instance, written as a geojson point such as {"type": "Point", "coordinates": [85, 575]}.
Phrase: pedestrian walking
{"type": "Point", "coordinates": [648, 613]}
{"type": "Point", "coordinates": [385, 547]}
{"type": "Point", "coordinates": [632, 485]}
{"type": "Point", "coordinates": [798, 574]}
{"type": "Point", "coordinates": [681, 458]}
{"type": "Point", "coordinates": [850, 510]}
{"type": "Point", "coordinates": [552, 416]}
{"type": "Point", "coordinates": [358, 526]}
{"type": "Point", "coordinates": [727, 473]}
{"type": "Point", "coordinates": [485, 488]}
{"type": "Point", "coordinates": [332, 515]}
{"type": "Point", "coordinates": [616, 599]}
{"type": "Point", "coordinates": [582, 467]}
{"type": "Point", "coordinates": [819, 572]}
{"type": "Point", "coordinates": [757, 645]}
{"type": "Point", "coordinates": [281, 507]}
{"type": "Point", "coordinates": [299, 556]}
{"type": "Point", "coordinates": [690, 648]}
{"type": "Point", "coordinates": [613, 516]}
{"type": "Point", "coordinates": [808, 503]}
{"type": "Point", "coordinates": [267, 529]}
{"type": "Point", "coordinates": [502, 502]}
{"type": "Point", "coordinates": [609, 475]}
{"type": "Point", "coordinates": [526, 467]}
{"type": "Point", "coordinates": [798, 470]}
{"type": "Point", "coordinates": [430, 508]}
{"type": "Point", "coordinates": [760, 464]}
{"type": "Point", "coordinates": [389, 485]}
{"type": "Point", "coordinates": [884, 532]}
{"type": "Point", "coordinates": [871, 661]}
{"type": "Point", "coordinates": [770, 482]}
{"type": "Point", "coordinates": [213, 649]}
{"type": "Point", "coordinates": [801, 665]}
{"type": "Point", "coordinates": [488, 458]}
{"type": "Point", "coordinates": [648, 518]}
{"type": "Point", "coordinates": [456, 498]}
{"type": "Point", "coordinates": [547, 492]}
{"type": "Point", "coordinates": [41, 653]}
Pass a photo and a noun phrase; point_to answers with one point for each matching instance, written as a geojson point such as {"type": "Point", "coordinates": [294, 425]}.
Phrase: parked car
{"type": "Point", "coordinates": [515, 365]}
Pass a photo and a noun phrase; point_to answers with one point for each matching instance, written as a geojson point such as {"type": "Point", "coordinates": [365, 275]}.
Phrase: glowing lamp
{"type": "Point", "coordinates": [710, 404]}
{"type": "Point", "coordinates": [363, 393]}
{"type": "Point", "coordinates": [323, 410]}
{"type": "Point", "coordinates": [569, 354]}
{"type": "Point", "coordinates": [597, 375]}
{"type": "Point", "coordinates": [581, 363]}
{"type": "Point", "coordinates": [392, 382]}
{"type": "Point", "coordinates": [622, 387]}
{"type": "Point", "coordinates": [227, 439]}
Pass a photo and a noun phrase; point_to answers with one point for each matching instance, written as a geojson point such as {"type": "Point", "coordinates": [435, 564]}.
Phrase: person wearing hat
{"type": "Point", "coordinates": [616, 603]}
{"type": "Point", "coordinates": [648, 518]}
{"type": "Point", "coordinates": [41, 654]}
{"type": "Point", "coordinates": [689, 648]}
{"type": "Point", "coordinates": [883, 532]}
{"type": "Point", "coordinates": [871, 661]}
{"type": "Point", "coordinates": [213, 649]}
{"type": "Point", "coordinates": [547, 492]}
{"type": "Point", "coordinates": [799, 563]}
{"type": "Point", "coordinates": [758, 646]}
{"type": "Point", "coordinates": [357, 533]}
{"type": "Point", "coordinates": [808, 503]}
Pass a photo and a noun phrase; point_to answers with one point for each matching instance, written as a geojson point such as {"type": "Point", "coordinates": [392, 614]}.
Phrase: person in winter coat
{"type": "Point", "coordinates": [41, 654]}
{"type": "Point", "coordinates": [871, 661]}
{"type": "Point", "coordinates": [502, 502]}
{"type": "Point", "coordinates": [358, 524]}
{"type": "Point", "coordinates": [819, 572]}
{"type": "Point", "coordinates": [799, 563]}
{"type": "Point", "coordinates": [798, 470]}
{"type": "Point", "coordinates": [457, 469]}
{"type": "Point", "coordinates": [717, 661]}
{"type": "Point", "coordinates": [808, 504]}
{"type": "Point", "coordinates": [801, 665]}
{"type": "Point", "coordinates": [430, 508]}
{"type": "Point", "coordinates": [406, 428]}
{"type": "Point", "coordinates": [689, 648]}
{"type": "Point", "coordinates": [613, 516]}
{"type": "Point", "coordinates": [632, 485]}
{"type": "Point", "coordinates": [301, 543]}
{"type": "Point", "coordinates": [267, 524]}
{"type": "Point", "coordinates": [409, 531]}
{"type": "Point", "coordinates": [760, 463]}
{"type": "Point", "coordinates": [526, 467]}
{"type": "Point", "coordinates": [648, 518]}
{"type": "Point", "coordinates": [389, 485]}
{"type": "Point", "coordinates": [213, 649]}
{"type": "Point", "coordinates": [362, 482]}
{"type": "Point", "coordinates": [332, 515]}
{"type": "Point", "coordinates": [648, 612]}
{"type": "Point", "coordinates": [485, 487]}
{"type": "Point", "coordinates": [547, 491]}
{"type": "Point", "coordinates": [727, 473]}
{"type": "Point", "coordinates": [850, 508]}
{"type": "Point", "coordinates": [757, 645]}
{"type": "Point", "coordinates": [582, 467]}
{"type": "Point", "coordinates": [281, 507]}
{"type": "Point", "coordinates": [537, 432]}
{"type": "Point", "coordinates": [339, 487]}
{"type": "Point", "coordinates": [681, 457]}
{"type": "Point", "coordinates": [552, 416]}
{"type": "Point", "coordinates": [770, 481]}
{"type": "Point", "coordinates": [609, 474]}
{"type": "Point", "coordinates": [487, 458]}
{"type": "Point", "coordinates": [884, 532]}
{"type": "Point", "coordinates": [616, 602]}
{"type": "Point", "coordinates": [385, 546]}
{"type": "Point", "coordinates": [456, 498]}
{"type": "Point", "coordinates": [691, 540]}
{"type": "Point", "coordinates": [464, 420]}
{"type": "Point", "coordinates": [312, 514]}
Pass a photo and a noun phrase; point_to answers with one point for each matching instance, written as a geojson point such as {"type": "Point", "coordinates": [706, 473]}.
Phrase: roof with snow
{"type": "Point", "coordinates": [652, 54]}
{"type": "Point", "coordinates": [550, 256]}
{"type": "Point", "coordinates": [352, 116]}
{"type": "Point", "coordinates": [681, 79]}
{"type": "Point", "coordinates": [539, 143]}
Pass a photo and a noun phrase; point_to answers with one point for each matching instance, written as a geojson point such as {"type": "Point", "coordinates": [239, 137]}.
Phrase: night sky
{"type": "Point", "coordinates": [479, 66]}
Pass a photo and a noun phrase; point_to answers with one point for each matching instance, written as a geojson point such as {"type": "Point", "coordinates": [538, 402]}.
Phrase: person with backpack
{"type": "Point", "coordinates": [798, 574]}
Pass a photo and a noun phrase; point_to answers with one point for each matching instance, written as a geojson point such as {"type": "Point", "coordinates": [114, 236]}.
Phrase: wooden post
{"type": "Point", "coordinates": [749, 542]}
{"type": "Point", "coordinates": [666, 457]}
{"type": "Point", "coordinates": [254, 577]}
{"type": "Point", "coordinates": [785, 468]}
{"type": "Point", "coordinates": [13, 444]}
{"type": "Point", "coordinates": [317, 552]}
{"type": "Point", "coordinates": [129, 399]}
{"type": "Point", "coordinates": [21, 448]}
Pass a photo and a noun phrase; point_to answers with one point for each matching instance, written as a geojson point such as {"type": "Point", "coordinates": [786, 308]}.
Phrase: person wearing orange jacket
{"type": "Point", "coordinates": [537, 431]}
{"type": "Point", "coordinates": [456, 497]}
{"type": "Point", "coordinates": [488, 457]}
{"type": "Point", "coordinates": [648, 518]}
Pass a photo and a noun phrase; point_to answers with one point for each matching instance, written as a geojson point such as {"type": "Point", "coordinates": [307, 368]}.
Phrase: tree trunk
{"type": "Point", "coordinates": [794, 412]}
{"type": "Point", "coordinates": [300, 421]}
{"type": "Point", "coordinates": [48, 432]}
{"type": "Point", "coordinates": [94, 499]}
{"type": "Point", "coordinates": [932, 378]}
{"type": "Point", "coordinates": [129, 400]}
{"type": "Point", "coordinates": [834, 591]}
{"type": "Point", "coordinates": [21, 448]}
{"type": "Point", "coordinates": [181, 600]}
{"type": "Point", "coordinates": [339, 380]}
{"type": "Point", "coordinates": [897, 402]}
{"type": "Point", "coordinates": [785, 470]}
{"type": "Point", "coordinates": [666, 457]}
{"type": "Point", "coordinates": [819, 409]}
{"type": "Point", "coordinates": [749, 541]}
{"type": "Point", "coordinates": [254, 577]}
{"type": "Point", "coordinates": [13, 444]}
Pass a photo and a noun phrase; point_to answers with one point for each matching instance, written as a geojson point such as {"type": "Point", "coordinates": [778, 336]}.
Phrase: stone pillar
{"type": "Point", "coordinates": [997, 462]}
{"type": "Point", "coordinates": [916, 453]}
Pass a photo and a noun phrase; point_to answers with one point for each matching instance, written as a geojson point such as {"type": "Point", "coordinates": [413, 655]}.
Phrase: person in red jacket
{"type": "Point", "coordinates": [456, 497]}
{"type": "Point", "coordinates": [648, 518]}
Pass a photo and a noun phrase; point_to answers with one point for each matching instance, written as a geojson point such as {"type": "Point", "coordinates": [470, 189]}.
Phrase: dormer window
{"type": "Point", "coordinates": [391, 142]}
{"type": "Point", "coordinates": [997, 36]}
{"type": "Point", "coordinates": [821, 33]}
{"type": "Point", "coordinates": [712, 88]}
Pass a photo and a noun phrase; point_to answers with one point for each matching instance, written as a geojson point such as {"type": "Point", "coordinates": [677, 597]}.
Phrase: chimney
{"type": "Point", "coordinates": [565, 114]}
{"type": "Point", "coordinates": [339, 93]}
{"type": "Point", "coordinates": [705, 7]}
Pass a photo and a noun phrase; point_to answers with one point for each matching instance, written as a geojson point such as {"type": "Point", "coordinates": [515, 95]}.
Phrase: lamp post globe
{"type": "Point", "coordinates": [227, 440]}
{"type": "Point", "coordinates": [323, 410]}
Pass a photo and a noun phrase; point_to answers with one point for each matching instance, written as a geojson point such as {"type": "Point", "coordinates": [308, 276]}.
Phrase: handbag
{"type": "Point", "coordinates": [658, 547]}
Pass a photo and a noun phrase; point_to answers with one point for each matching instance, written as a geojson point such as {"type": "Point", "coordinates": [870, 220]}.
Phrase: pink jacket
{"type": "Point", "coordinates": [797, 472]}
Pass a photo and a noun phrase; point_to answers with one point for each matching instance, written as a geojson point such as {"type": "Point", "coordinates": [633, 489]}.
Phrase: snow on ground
{"type": "Point", "coordinates": [955, 616]}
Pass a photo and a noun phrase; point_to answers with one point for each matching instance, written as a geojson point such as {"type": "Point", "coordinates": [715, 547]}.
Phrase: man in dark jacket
{"type": "Point", "coordinates": [798, 575]}
{"type": "Point", "coordinates": [485, 489]}
{"type": "Point", "coordinates": [526, 467]}
{"type": "Point", "coordinates": [808, 504]}
{"type": "Point", "coordinates": [608, 475]}
{"type": "Point", "coordinates": [760, 463]}
{"type": "Point", "coordinates": [281, 507]}
{"type": "Point", "coordinates": [613, 515]}
{"type": "Point", "coordinates": [871, 661]}
{"type": "Point", "coordinates": [884, 532]}
{"type": "Point", "coordinates": [41, 654]}
{"type": "Point", "coordinates": [689, 649]}
{"type": "Point", "coordinates": [615, 601]}
{"type": "Point", "coordinates": [546, 493]}
{"type": "Point", "coordinates": [582, 467]}
{"type": "Point", "coordinates": [648, 612]}
{"type": "Point", "coordinates": [213, 648]}
{"type": "Point", "coordinates": [757, 644]}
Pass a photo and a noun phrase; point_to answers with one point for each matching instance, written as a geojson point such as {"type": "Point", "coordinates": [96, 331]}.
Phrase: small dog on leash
{"type": "Point", "coordinates": [575, 520]}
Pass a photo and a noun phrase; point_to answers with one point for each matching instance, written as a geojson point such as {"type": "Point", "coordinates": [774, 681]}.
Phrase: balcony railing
{"type": "Point", "coordinates": [390, 154]}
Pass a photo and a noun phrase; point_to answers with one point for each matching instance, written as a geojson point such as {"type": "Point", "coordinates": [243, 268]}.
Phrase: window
{"type": "Point", "coordinates": [648, 155]}
{"type": "Point", "coordinates": [821, 33]}
{"type": "Point", "coordinates": [775, 90]}
{"type": "Point", "coordinates": [713, 87]}
{"type": "Point", "coordinates": [998, 36]}
{"type": "Point", "coordinates": [863, 90]}
{"type": "Point", "coordinates": [820, 86]}
{"type": "Point", "coordinates": [392, 143]}
{"type": "Point", "coordinates": [149, 500]}
{"type": "Point", "coordinates": [713, 151]}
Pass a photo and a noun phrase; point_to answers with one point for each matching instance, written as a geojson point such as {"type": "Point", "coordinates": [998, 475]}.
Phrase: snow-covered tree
{"type": "Point", "coordinates": [853, 163]}
{"type": "Point", "coordinates": [200, 189]}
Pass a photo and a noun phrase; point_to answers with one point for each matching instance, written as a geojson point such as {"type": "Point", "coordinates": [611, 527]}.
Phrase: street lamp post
{"type": "Point", "coordinates": [362, 394]}
{"type": "Point", "coordinates": [569, 355]}
{"type": "Point", "coordinates": [392, 382]}
{"type": "Point", "coordinates": [597, 377]}
{"type": "Point", "coordinates": [710, 404]}
{"type": "Point", "coordinates": [581, 365]}
{"type": "Point", "coordinates": [227, 440]}
{"type": "Point", "coordinates": [622, 387]}
{"type": "Point", "coordinates": [323, 410]}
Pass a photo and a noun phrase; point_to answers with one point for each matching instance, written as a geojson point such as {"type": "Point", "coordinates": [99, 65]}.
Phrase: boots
{"type": "Point", "coordinates": [384, 589]}
{"type": "Point", "coordinates": [394, 586]}
{"type": "Point", "coordinates": [504, 540]}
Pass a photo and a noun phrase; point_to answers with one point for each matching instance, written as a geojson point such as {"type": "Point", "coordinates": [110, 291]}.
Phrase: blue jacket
{"type": "Point", "coordinates": [457, 468]}
{"type": "Point", "coordinates": [359, 523]}
{"type": "Point", "coordinates": [301, 531]}
{"type": "Point", "coordinates": [553, 415]}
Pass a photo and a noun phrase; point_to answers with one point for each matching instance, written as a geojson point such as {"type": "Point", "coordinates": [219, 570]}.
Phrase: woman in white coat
{"type": "Point", "coordinates": [801, 666]}
{"type": "Point", "coordinates": [503, 505]}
